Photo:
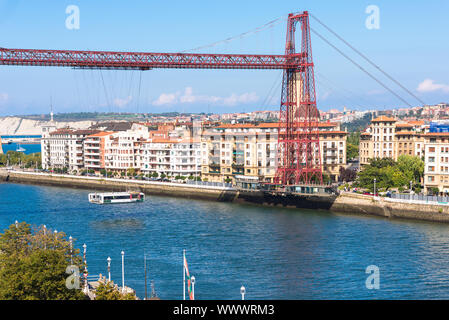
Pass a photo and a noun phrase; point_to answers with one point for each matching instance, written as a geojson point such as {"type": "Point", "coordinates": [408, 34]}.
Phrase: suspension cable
{"type": "Point", "coordinates": [368, 60]}
{"type": "Point", "coordinates": [361, 68]}
{"type": "Point", "coordinates": [244, 34]}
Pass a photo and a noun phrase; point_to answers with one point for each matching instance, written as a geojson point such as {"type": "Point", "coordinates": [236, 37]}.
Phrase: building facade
{"type": "Point", "coordinates": [388, 138]}
{"type": "Point", "coordinates": [436, 163]}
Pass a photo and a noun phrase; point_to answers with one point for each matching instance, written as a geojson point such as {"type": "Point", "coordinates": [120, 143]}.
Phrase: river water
{"type": "Point", "coordinates": [276, 253]}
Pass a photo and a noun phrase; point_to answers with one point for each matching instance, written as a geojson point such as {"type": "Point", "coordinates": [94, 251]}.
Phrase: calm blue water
{"type": "Point", "coordinates": [29, 136]}
{"type": "Point", "coordinates": [29, 148]}
{"type": "Point", "coordinates": [275, 253]}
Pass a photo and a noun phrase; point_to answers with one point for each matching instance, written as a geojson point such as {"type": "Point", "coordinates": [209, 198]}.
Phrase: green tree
{"type": "Point", "coordinates": [33, 264]}
{"type": "Point", "coordinates": [412, 167]}
{"type": "Point", "coordinates": [131, 172]}
{"type": "Point", "coordinates": [352, 151]}
{"type": "Point", "coordinates": [107, 291]}
{"type": "Point", "coordinates": [391, 174]}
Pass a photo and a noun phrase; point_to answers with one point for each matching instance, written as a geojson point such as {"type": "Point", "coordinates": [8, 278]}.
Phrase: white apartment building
{"type": "Point", "coordinates": [63, 148]}
{"type": "Point", "coordinates": [185, 158]}
{"type": "Point", "coordinates": [123, 149]}
{"type": "Point", "coordinates": [155, 156]}
{"type": "Point", "coordinates": [180, 157]}
{"type": "Point", "coordinates": [436, 163]}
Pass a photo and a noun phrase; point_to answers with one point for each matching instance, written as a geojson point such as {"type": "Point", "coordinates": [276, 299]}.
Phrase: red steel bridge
{"type": "Point", "coordinates": [299, 159]}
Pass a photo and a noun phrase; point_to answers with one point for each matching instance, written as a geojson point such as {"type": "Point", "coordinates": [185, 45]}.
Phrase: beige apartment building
{"type": "Point", "coordinates": [251, 150]}
{"type": "Point", "coordinates": [388, 138]}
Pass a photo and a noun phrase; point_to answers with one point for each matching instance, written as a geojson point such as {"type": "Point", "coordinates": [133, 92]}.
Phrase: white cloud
{"type": "Point", "coordinates": [119, 102]}
{"type": "Point", "coordinates": [188, 97]}
{"type": "Point", "coordinates": [3, 98]}
{"type": "Point", "coordinates": [429, 85]}
{"type": "Point", "coordinates": [165, 98]}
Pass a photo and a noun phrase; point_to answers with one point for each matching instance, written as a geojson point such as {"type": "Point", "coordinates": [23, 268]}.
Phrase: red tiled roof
{"type": "Point", "coordinates": [101, 134]}
{"type": "Point", "coordinates": [384, 119]}
{"type": "Point", "coordinates": [62, 131]}
{"type": "Point", "coordinates": [332, 132]}
{"type": "Point", "coordinates": [268, 125]}
{"type": "Point", "coordinates": [436, 134]}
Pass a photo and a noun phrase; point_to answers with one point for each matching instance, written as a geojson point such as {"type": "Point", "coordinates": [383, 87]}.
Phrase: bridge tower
{"type": "Point", "coordinates": [299, 159]}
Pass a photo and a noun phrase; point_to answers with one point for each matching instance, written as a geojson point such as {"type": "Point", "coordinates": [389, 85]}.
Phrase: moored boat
{"type": "Point", "coordinates": [116, 197]}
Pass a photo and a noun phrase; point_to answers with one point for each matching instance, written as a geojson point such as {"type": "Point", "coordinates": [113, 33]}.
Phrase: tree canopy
{"type": "Point", "coordinates": [391, 174]}
{"type": "Point", "coordinates": [33, 264]}
{"type": "Point", "coordinates": [107, 291]}
{"type": "Point", "coordinates": [16, 158]}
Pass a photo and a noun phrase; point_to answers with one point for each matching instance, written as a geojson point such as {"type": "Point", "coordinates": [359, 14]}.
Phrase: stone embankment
{"type": "Point", "coordinates": [346, 202]}
{"type": "Point", "coordinates": [98, 184]}
{"type": "Point", "coordinates": [390, 208]}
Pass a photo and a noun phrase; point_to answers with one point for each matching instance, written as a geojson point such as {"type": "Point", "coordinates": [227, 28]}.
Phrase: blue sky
{"type": "Point", "coordinates": [412, 45]}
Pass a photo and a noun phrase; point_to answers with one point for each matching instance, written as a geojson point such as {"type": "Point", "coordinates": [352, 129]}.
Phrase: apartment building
{"type": "Point", "coordinates": [251, 150]}
{"type": "Point", "coordinates": [94, 150]}
{"type": "Point", "coordinates": [436, 163]}
{"type": "Point", "coordinates": [216, 152]}
{"type": "Point", "coordinates": [388, 138]}
{"type": "Point", "coordinates": [155, 155]}
{"type": "Point", "coordinates": [333, 149]}
{"type": "Point", "coordinates": [185, 158]}
{"type": "Point", "coordinates": [239, 149]}
{"type": "Point", "coordinates": [63, 148]}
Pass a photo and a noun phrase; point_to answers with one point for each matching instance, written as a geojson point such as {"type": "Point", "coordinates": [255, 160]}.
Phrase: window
{"type": "Point", "coordinates": [431, 149]}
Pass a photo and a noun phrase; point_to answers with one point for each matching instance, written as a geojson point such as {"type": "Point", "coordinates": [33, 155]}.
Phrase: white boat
{"type": "Point", "coordinates": [116, 197]}
{"type": "Point", "coordinates": [20, 149]}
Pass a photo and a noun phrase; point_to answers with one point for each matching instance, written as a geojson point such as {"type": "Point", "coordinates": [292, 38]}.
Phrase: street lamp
{"type": "Point", "coordinates": [411, 189]}
{"type": "Point", "coordinates": [242, 292]}
{"type": "Point", "coordinates": [70, 239]}
{"type": "Point", "coordinates": [123, 271]}
{"type": "Point", "coordinates": [193, 287]}
{"type": "Point", "coordinates": [109, 268]}
{"type": "Point", "coordinates": [85, 268]}
{"type": "Point", "coordinates": [374, 186]}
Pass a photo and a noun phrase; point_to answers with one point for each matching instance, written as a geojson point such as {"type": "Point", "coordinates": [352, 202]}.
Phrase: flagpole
{"type": "Point", "coordinates": [184, 274]}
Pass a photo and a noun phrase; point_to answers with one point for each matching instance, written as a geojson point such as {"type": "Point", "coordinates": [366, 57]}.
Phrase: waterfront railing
{"type": "Point", "coordinates": [420, 197]}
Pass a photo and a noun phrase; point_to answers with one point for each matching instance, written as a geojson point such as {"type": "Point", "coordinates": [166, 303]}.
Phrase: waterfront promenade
{"type": "Point", "coordinates": [346, 202]}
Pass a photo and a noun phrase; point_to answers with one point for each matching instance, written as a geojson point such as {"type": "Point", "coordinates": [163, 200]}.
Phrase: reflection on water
{"type": "Point", "coordinates": [276, 253]}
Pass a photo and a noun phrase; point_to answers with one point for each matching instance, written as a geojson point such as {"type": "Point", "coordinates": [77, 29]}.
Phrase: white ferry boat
{"type": "Point", "coordinates": [116, 197]}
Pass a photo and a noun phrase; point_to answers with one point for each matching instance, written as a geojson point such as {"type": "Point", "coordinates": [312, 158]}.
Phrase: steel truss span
{"type": "Point", "coordinates": [143, 60]}
{"type": "Point", "coordinates": [298, 143]}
